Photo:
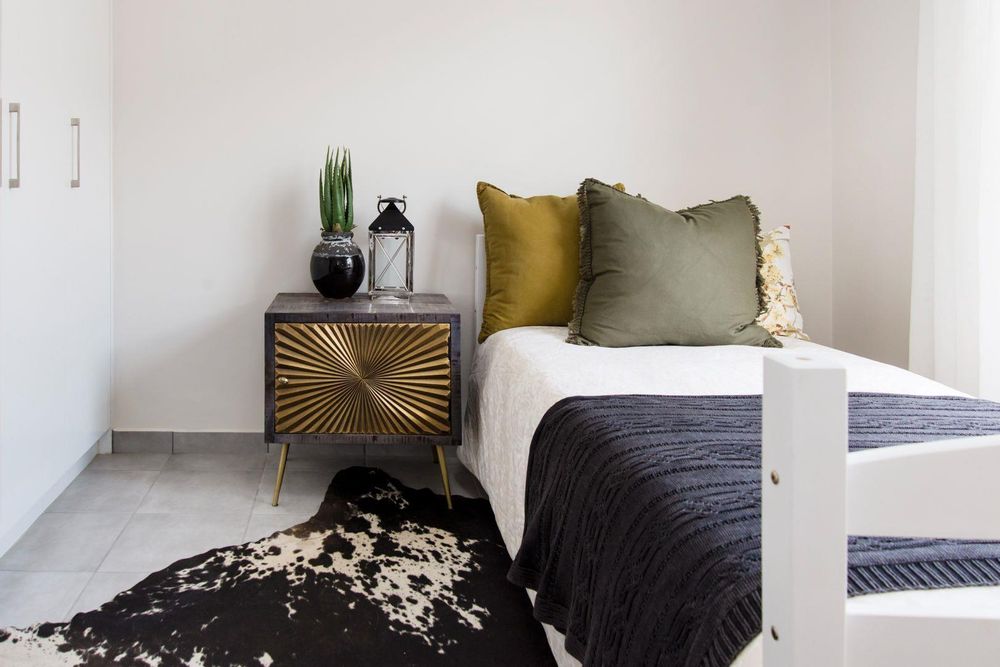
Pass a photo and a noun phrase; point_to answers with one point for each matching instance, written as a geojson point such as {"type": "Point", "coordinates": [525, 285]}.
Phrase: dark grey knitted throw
{"type": "Point", "coordinates": [642, 526]}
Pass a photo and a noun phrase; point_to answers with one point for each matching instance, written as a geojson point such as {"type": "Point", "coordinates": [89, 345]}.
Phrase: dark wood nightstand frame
{"type": "Point", "coordinates": [301, 308]}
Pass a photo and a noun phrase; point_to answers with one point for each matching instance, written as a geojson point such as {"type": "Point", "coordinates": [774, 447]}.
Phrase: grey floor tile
{"type": "Point", "coordinates": [105, 491]}
{"type": "Point", "coordinates": [103, 587]}
{"type": "Point", "coordinates": [301, 492]}
{"type": "Point", "coordinates": [150, 542]}
{"type": "Point", "coordinates": [212, 461]}
{"type": "Point", "coordinates": [320, 450]}
{"type": "Point", "coordinates": [329, 459]}
{"type": "Point", "coordinates": [148, 442]}
{"type": "Point", "coordinates": [264, 525]}
{"type": "Point", "coordinates": [126, 461]}
{"type": "Point", "coordinates": [33, 597]}
{"type": "Point", "coordinates": [219, 443]}
{"type": "Point", "coordinates": [405, 452]}
{"type": "Point", "coordinates": [419, 475]}
{"type": "Point", "coordinates": [463, 482]}
{"type": "Point", "coordinates": [72, 542]}
{"type": "Point", "coordinates": [202, 491]}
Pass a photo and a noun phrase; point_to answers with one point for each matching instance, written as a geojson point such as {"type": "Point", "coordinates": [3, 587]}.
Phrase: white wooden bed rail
{"type": "Point", "coordinates": [814, 494]}
{"type": "Point", "coordinates": [480, 285]}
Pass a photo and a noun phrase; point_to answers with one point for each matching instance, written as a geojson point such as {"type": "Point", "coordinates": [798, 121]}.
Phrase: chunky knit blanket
{"type": "Point", "coordinates": [642, 526]}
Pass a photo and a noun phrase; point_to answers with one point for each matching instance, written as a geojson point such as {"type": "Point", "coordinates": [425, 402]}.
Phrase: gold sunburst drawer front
{"type": "Point", "coordinates": [362, 378]}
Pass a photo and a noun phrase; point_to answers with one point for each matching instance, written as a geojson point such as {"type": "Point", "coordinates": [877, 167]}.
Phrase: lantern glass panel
{"type": "Point", "coordinates": [390, 264]}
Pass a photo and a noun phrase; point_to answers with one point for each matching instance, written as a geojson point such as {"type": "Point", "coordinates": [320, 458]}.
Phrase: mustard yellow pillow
{"type": "Point", "coordinates": [532, 259]}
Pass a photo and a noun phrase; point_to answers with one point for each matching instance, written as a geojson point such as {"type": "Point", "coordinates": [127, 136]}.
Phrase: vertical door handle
{"type": "Point", "coordinates": [15, 145]}
{"type": "Point", "coordinates": [74, 124]}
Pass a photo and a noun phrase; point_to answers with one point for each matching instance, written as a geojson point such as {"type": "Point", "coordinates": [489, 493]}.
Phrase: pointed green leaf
{"type": "Point", "coordinates": [349, 192]}
{"type": "Point", "coordinates": [322, 201]}
{"type": "Point", "coordinates": [338, 191]}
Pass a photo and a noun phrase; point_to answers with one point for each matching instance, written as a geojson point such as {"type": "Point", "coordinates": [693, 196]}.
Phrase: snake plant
{"type": "Point", "coordinates": [336, 192]}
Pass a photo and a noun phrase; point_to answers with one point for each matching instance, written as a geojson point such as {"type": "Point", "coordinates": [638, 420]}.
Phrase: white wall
{"type": "Point", "coordinates": [223, 111]}
{"type": "Point", "coordinates": [874, 64]}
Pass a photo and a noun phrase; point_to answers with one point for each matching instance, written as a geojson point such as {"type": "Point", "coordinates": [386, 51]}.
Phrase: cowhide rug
{"type": "Point", "coordinates": [382, 575]}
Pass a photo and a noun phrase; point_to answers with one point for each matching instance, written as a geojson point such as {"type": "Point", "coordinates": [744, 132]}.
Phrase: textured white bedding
{"type": "Point", "coordinates": [520, 373]}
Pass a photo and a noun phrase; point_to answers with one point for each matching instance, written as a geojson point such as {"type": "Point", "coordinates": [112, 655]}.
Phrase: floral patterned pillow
{"type": "Point", "coordinates": [781, 316]}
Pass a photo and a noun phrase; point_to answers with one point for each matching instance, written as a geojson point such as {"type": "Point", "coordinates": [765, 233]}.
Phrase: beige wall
{"type": "Point", "coordinates": [223, 111]}
{"type": "Point", "coordinates": [873, 66]}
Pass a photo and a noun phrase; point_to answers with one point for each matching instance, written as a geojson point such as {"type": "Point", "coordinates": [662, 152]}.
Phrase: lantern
{"type": "Point", "coordinates": [390, 252]}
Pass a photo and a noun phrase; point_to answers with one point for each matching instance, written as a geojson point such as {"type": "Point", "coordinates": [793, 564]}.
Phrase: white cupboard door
{"type": "Point", "coordinates": [85, 215]}
{"type": "Point", "coordinates": [54, 246]}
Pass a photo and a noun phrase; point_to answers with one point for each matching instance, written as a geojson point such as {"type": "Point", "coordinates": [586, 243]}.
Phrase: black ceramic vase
{"type": "Point", "coordinates": [337, 265]}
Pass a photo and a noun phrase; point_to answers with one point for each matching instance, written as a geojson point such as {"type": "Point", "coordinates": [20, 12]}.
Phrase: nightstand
{"type": "Point", "coordinates": [357, 371]}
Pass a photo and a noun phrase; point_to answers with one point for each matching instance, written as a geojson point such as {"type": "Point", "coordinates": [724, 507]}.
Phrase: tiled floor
{"type": "Point", "coordinates": [130, 514]}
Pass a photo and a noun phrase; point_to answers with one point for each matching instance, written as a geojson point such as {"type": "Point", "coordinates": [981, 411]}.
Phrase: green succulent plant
{"type": "Point", "coordinates": [336, 192]}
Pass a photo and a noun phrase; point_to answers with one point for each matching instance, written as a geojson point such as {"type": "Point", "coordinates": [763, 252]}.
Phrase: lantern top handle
{"type": "Point", "coordinates": [390, 219]}
{"type": "Point", "coordinates": [391, 200]}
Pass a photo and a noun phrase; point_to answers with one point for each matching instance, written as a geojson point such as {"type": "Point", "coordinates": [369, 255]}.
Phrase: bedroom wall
{"type": "Point", "coordinates": [223, 111]}
{"type": "Point", "coordinates": [873, 66]}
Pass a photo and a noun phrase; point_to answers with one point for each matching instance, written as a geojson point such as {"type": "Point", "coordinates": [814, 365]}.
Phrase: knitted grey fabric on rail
{"type": "Point", "coordinates": [642, 527]}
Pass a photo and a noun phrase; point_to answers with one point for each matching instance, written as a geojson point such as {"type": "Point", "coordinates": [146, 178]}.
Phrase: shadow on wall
{"type": "Point", "coordinates": [210, 360]}
{"type": "Point", "coordinates": [453, 251]}
{"type": "Point", "coordinates": [208, 397]}
{"type": "Point", "coordinates": [290, 243]}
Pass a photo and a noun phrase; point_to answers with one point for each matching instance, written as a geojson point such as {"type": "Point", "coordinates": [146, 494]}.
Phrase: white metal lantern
{"type": "Point", "coordinates": [390, 251]}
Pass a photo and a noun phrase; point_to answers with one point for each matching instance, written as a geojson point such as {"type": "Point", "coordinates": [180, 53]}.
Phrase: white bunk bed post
{"type": "Point", "coordinates": [814, 494]}
{"type": "Point", "coordinates": [804, 525]}
{"type": "Point", "coordinates": [480, 284]}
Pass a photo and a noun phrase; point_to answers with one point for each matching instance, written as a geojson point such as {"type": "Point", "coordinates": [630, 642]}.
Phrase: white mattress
{"type": "Point", "coordinates": [518, 374]}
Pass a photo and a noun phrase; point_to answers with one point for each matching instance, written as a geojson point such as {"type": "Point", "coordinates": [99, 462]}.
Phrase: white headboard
{"type": "Point", "coordinates": [480, 294]}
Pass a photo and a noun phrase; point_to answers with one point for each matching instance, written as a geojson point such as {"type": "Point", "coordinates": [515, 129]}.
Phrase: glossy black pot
{"type": "Point", "coordinates": [337, 265]}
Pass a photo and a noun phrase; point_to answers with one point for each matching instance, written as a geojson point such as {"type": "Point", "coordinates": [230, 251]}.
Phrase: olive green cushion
{"type": "Point", "coordinates": [532, 259]}
{"type": "Point", "coordinates": [649, 276]}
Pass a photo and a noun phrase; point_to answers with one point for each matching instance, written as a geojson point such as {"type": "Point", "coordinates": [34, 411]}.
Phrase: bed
{"type": "Point", "coordinates": [519, 374]}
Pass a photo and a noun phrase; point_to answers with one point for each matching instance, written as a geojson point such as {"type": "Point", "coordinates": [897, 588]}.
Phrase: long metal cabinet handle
{"type": "Point", "coordinates": [74, 124]}
{"type": "Point", "coordinates": [15, 145]}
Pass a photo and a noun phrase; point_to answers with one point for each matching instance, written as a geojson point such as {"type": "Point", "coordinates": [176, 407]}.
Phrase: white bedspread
{"type": "Point", "coordinates": [520, 373]}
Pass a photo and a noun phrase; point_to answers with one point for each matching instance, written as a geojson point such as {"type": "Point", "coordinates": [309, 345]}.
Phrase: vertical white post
{"type": "Point", "coordinates": [480, 283]}
{"type": "Point", "coordinates": [804, 527]}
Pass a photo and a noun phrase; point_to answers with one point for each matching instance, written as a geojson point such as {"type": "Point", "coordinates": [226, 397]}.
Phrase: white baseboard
{"type": "Point", "coordinates": [18, 529]}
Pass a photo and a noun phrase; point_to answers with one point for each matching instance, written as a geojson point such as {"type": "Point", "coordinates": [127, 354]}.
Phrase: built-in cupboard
{"type": "Point", "coordinates": [55, 248]}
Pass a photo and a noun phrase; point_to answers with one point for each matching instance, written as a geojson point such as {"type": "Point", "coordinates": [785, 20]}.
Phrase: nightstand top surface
{"type": "Point", "coordinates": [308, 303]}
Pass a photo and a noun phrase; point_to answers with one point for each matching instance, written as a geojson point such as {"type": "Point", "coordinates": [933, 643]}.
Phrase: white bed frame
{"type": "Point", "coordinates": [814, 494]}
{"type": "Point", "coordinates": [480, 283]}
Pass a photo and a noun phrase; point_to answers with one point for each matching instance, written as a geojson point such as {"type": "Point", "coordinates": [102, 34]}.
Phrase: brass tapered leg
{"type": "Point", "coordinates": [439, 450]}
{"type": "Point", "coordinates": [281, 474]}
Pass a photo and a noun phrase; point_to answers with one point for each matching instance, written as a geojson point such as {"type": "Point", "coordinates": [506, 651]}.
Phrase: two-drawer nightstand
{"type": "Point", "coordinates": [357, 371]}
